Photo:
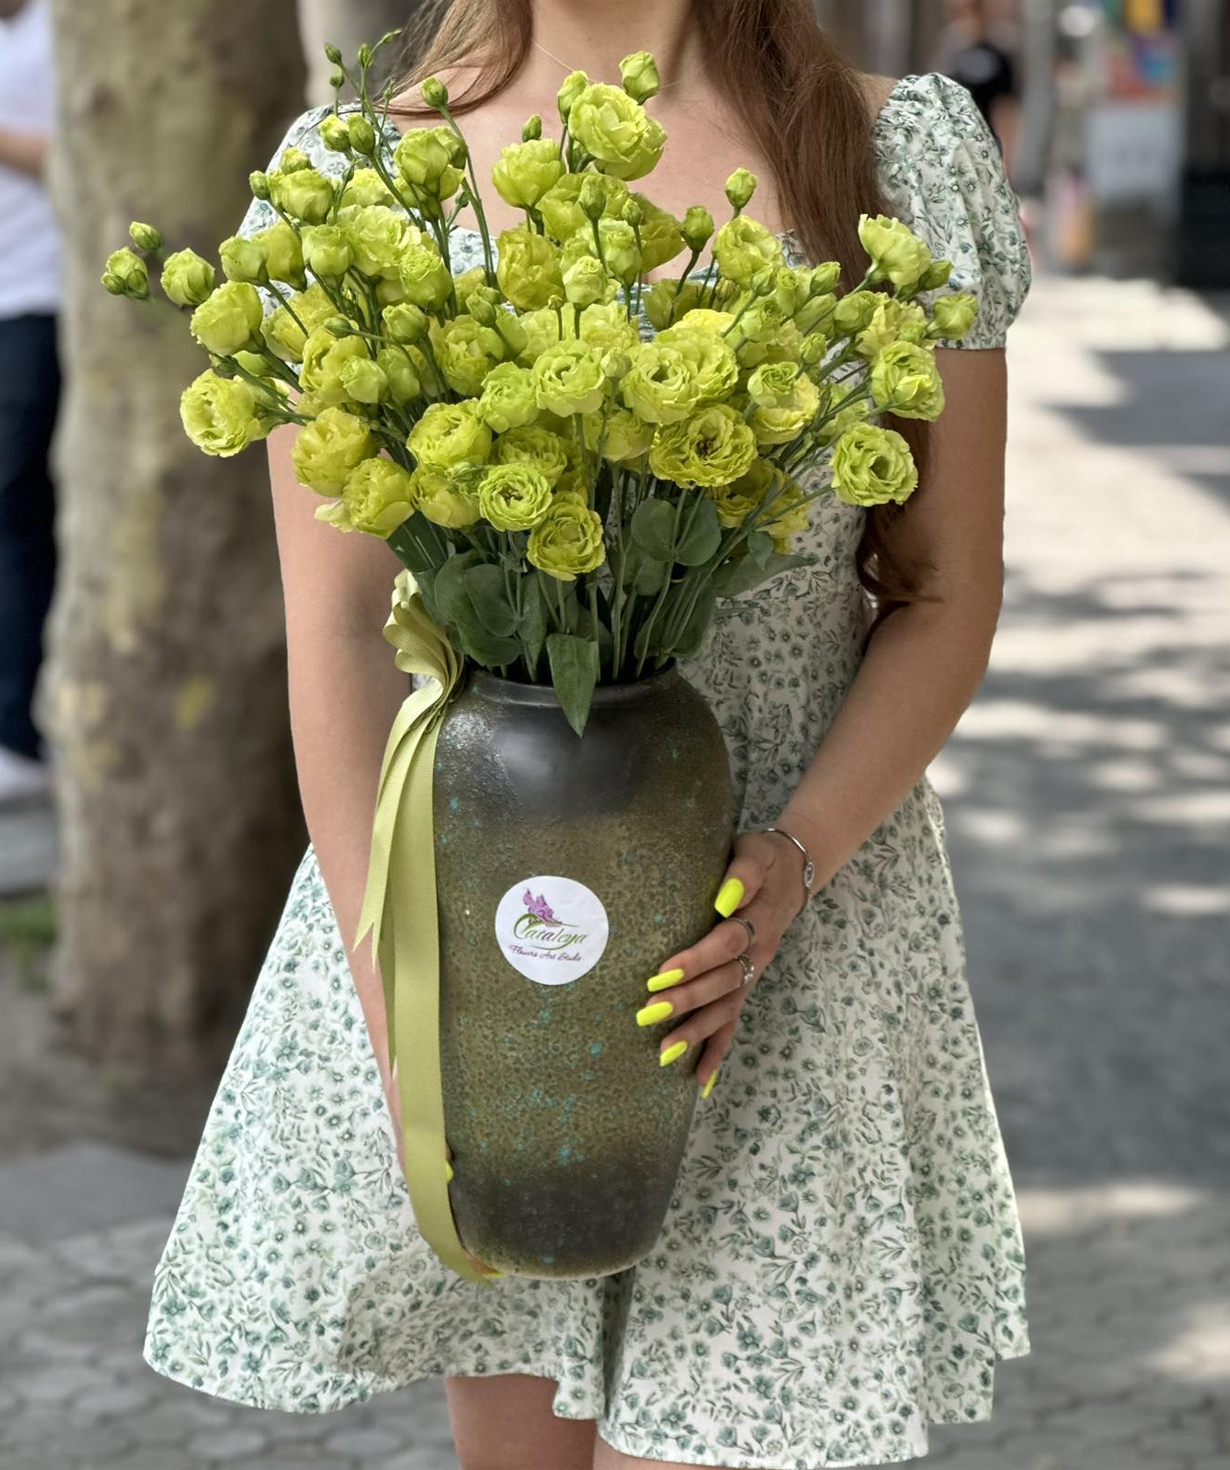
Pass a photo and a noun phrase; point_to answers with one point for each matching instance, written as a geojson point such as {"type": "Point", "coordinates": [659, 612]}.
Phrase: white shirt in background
{"type": "Point", "coordinates": [29, 234]}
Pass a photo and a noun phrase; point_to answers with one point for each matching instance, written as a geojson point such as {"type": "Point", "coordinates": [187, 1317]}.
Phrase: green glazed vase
{"type": "Point", "coordinates": [568, 869]}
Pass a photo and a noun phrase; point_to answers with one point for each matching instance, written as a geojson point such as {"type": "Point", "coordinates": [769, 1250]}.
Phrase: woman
{"type": "Point", "coordinates": [842, 1264]}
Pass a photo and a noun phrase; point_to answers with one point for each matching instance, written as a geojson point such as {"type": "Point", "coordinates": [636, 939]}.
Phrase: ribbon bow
{"type": "Point", "coordinates": [399, 907]}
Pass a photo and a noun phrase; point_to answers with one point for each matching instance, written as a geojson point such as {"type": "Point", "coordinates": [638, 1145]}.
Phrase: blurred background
{"type": "Point", "coordinates": [149, 822]}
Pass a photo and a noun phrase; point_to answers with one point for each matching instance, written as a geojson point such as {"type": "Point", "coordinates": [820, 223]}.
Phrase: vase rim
{"type": "Point", "coordinates": [513, 691]}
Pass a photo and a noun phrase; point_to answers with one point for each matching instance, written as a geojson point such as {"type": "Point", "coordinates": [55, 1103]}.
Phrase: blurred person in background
{"type": "Point", "coordinates": [972, 53]}
{"type": "Point", "coordinates": [29, 383]}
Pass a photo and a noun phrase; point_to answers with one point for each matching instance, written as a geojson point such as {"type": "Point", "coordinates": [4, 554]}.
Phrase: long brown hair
{"type": "Point", "coordinates": [793, 92]}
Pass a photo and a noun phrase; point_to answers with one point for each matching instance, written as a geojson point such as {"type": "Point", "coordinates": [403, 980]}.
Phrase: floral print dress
{"type": "Point", "coordinates": [841, 1264]}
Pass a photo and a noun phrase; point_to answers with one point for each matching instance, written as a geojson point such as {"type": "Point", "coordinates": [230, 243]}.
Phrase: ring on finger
{"type": "Point", "coordinates": [749, 926]}
{"type": "Point", "coordinates": [748, 968]}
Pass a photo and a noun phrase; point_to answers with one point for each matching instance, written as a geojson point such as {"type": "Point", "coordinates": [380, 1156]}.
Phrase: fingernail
{"type": "Point", "coordinates": [708, 1087]}
{"type": "Point", "coordinates": [448, 1172]}
{"type": "Point", "coordinates": [672, 1053]}
{"type": "Point", "coordinates": [730, 896]}
{"type": "Point", "coordinates": [664, 981]}
{"type": "Point", "coordinates": [650, 1015]}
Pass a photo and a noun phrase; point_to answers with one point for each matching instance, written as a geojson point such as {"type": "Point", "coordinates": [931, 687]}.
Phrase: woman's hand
{"type": "Point", "coordinates": [703, 986]}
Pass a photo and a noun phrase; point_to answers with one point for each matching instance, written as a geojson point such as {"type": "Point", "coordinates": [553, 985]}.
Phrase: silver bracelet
{"type": "Point", "coordinates": [809, 867]}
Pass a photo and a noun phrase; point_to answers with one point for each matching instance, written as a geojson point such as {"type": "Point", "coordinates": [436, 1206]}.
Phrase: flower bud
{"type": "Point", "coordinates": [532, 130]}
{"type": "Point", "coordinates": [404, 323]}
{"type": "Point", "coordinates": [824, 278]}
{"type": "Point", "coordinates": [574, 84]}
{"type": "Point", "coordinates": [362, 136]}
{"type": "Point", "coordinates": [327, 251]}
{"type": "Point", "coordinates": [335, 134]}
{"type": "Point", "coordinates": [435, 93]}
{"type": "Point", "coordinates": [813, 348]}
{"type": "Point", "coordinates": [338, 326]}
{"type": "Point", "coordinates": [293, 161]}
{"type": "Point", "coordinates": [337, 79]}
{"type": "Point", "coordinates": [697, 228]}
{"type": "Point", "coordinates": [512, 333]}
{"type": "Point", "coordinates": [936, 275]}
{"type": "Point", "coordinates": [632, 213]}
{"type": "Point", "coordinates": [365, 56]}
{"type": "Point", "coordinates": [258, 182]}
{"type": "Point", "coordinates": [364, 380]}
{"type": "Point", "coordinates": [482, 310]}
{"type": "Point", "coordinates": [244, 260]}
{"type": "Point", "coordinates": [130, 270]}
{"type": "Point", "coordinates": [639, 74]}
{"type": "Point", "coordinates": [740, 187]}
{"type": "Point", "coordinates": [114, 283]}
{"type": "Point", "coordinates": [763, 281]}
{"type": "Point", "coordinates": [144, 237]}
{"type": "Point", "coordinates": [585, 281]}
{"type": "Point", "coordinates": [333, 54]}
{"type": "Point", "coordinates": [616, 365]}
{"type": "Point", "coordinates": [592, 197]}
{"type": "Point", "coordinates": [187, 278]}
{"type": "Point", "coordinates": [458, 151]}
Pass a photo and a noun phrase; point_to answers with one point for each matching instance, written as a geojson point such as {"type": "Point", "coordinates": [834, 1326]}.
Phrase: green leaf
{"type": "Point", "coordinates": [742, 575]}
{"type": "Point", "coordinates": [702, 538]}
{"type": "Point", "coordinates": [486, 648]}
{"type": "Point", "coordinates": [694, 631]}
{"type": "Point", "coordinates": [533, 629]}
{"type": "Point", "coordinates": [651, 576]}
{"type": "Point", "coordinates": [653, 529]}
{"type": "Point", "coordinates": [488, 593]}
{"type": "Point", "coordinates": [449, 590]}
{"type": "Point", "coordinates": [760, 547]}
{"type": "Point", "coordinates": [574, 672]}
{"type": "Point", "coordinates": [406, 544]}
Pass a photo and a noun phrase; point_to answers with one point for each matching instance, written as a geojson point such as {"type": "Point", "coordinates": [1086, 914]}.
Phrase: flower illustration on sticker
{"type": "Point", "coordinates": [538, 908]}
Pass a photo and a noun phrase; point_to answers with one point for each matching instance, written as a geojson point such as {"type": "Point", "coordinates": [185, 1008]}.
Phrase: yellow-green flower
{"type": "Point", "coordinates": [445, 497]}
{"type": "Point", "coordinates": [706, 319]}
{"type": "Point", "coordinates": [283, 254]}
{"type": "Point", "coordinates": [872, 465]}
{"type": "Point", "coordinates": [400, 374]}
{"type": "Point", "coordinates": [327, 252]}
{"type": "Point", "coordinates": [379, 237]}
{"type": "Point", "coordinates": [586, 282]}
{"type": "Point", "coordinates": [787, 402]}
{"type": "Point", "coordinates": [710, 356]}
{"type": "Point", "coordinates": [616, 131]}
{"type": "Point", "coordinates": [541, 328]}
{"type": "Point", "coordinates": [667, 296]}
{"type": "Point", "coordinates": [712, 447]}
{"type": "Point", "coordinates": [570, 89]}
{"type": "Point", "coordinates": [525, 171]}
{"type": "Point", "coordinates": [450, 434]}
{"type": "Point", "coordinates": [508, 400]}
{"type": "Point", "coordinates": [424, 158]}
{"type": "Point", "coordinates": [324, 359]}
{"type": "Point", "coordinates": [305, 194]}
{"type": "Point", "coordinates": [660, 235]}
{"type": "Point", "coordinates": [535, 445]}
{"type": "Point", "coordinates": [792, 516]}
{"type": "Point", "coordinates": [567, 541]}
{"type": "Point", "coordinates": [639, 74]}
{"type": "Point", "coordinates": [606, 327]}
{"type": "Point", "coordinates": [893, 321]}
{"type": "Point", "coordinates": [377, 497]}
{"type": "Point", "coordinates": [661, 385]}
{"type": "Point", "coordinates": [568, 379]}
{"type": "Point", "coordinates": [528, 269]}
{"type": "Point", "coordinates": [425, 277]}
{"type": "Point", "coordinates": [743, 248]}
{"type": "Point", "coordinates": [363, 380]}
{"type": "Point", "coordinates": [187, 278]}
{"type": "Point", "coordinates": [466, 353]}
{"type": "Point", "coordinates": [514, 497]}
{"type": "Point", "coordinates": [846, 418]}
{"type": "Point", "coordinates": [219, 414]}
{"type": "Point", "coordinates": [618, 434]}
{"type": "Point", "coordinates": [244, 259]}
{"type": "Point", "coordinates": [740, 187]}
{"type": "Point", "coordinates": [619, 253]}
{"type": "Point", "coordinates": [326, 450]}
{"type": "Point", "coordinates": [284, 333]}
{"type": "Point", "coordinates": [854, 311]}
{"type": "Point", "coordinates": [954, 315]}
{"type": "Point", "coordinates": [738, 499]}
{"type": "Point", "coordinates": [229, 319]}
{"type": "Point", "coordinates": [365, 187]}
{"type": "Point", "coordinates": [906, 381]}
{"type": "Point", "coordinates": [561, 212]}
{"type": "Point", "coordinates": [897, 254]}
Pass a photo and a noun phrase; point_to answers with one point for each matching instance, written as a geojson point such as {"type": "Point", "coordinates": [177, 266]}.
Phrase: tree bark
{"type": "Point", "coordinates": [165, 695]}
{"type": "Point", "coordinates": [347, 24]}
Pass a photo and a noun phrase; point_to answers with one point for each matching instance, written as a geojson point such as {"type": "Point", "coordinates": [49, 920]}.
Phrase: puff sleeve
{"type": "Point", "coordinates": [942, 174]}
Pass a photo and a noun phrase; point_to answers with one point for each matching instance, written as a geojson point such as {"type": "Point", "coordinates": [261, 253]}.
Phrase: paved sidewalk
{"type": "Point", "coordinates": [1088, 806]}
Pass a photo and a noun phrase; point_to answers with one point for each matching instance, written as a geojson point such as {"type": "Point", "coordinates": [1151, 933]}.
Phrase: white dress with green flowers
{"type": "Point", "coordinates": [841, 1264]}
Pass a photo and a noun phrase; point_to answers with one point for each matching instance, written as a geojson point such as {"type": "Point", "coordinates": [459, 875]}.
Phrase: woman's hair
{"type": "Point", "coordinates": [805, 106]}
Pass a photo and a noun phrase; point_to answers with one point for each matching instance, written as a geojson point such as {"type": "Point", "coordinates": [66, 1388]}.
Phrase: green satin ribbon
{"type": "Point", "coordinates": [399, 907]}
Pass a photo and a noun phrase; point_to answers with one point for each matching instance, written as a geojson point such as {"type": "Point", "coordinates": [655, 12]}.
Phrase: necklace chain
{"type": "Point", "coordinates": [552, 56]}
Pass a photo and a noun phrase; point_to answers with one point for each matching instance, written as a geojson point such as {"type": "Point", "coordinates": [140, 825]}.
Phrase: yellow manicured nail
{"type": "Point", "coordinates": [664, 981]}
{"type": "Point", "coordinates": [672, 1053]}
{"type": "Point", "coordinates": [650, 1015]}
{"type": "Point", "coordinates": [448, 1171]}
{"type": "Point", "coordinates": [730, 896]}
{"type": "Point", "coordinates": [708, 1087]}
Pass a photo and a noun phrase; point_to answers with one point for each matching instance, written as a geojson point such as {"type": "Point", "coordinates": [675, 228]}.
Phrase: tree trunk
{"type": "Point", "coordinates": [347, 24]}
{"type": "Point", "coordinates": [165, 696]}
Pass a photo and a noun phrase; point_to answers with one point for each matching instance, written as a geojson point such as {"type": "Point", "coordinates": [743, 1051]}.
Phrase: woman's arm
{"type": "Point", "coordinates": [345, 691]}
{"type": "Point", "coordinates": [921, 669]}
{"type": "Point", "coordinates": [25, 152]}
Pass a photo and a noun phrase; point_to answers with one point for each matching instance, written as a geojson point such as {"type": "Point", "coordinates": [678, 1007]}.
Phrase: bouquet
{"type": "Point", "coordinates": [576, 464]}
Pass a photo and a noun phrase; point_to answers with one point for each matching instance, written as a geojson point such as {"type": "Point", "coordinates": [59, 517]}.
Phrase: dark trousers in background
{"type": "Point", "coordinates": [29, 395]}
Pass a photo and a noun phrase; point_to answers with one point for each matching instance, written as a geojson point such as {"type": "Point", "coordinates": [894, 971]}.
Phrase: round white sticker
{"type": "Point", "coordinates": [553, 930]}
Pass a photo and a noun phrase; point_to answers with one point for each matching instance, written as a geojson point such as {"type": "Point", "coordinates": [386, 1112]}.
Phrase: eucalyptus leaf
{"type": "Point", "coordinates": [760, 547]}
{"type": "Point", "coordinates": [450, 592]}
{"type": "Point", "coordinates": [653, 529]}
{"type": "Point", "coordinates": [488, 593]}
{"type": "Point", "coordinates": [533, 629]}
{"type": "Point", "coordinates": [574, 672]}
{"type": "Point", "coordinates": [742, 575]}
{"type": "Point", "coordinates": [651, 576]}
{"type": "Point", "coordinates": [486, 648]}
{"type": "Point", "coordinates": [702, 538]}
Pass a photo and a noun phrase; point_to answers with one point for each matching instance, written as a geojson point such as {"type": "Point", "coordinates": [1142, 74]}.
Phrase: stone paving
{"type": "Point", "coordinates": [1088, 807]}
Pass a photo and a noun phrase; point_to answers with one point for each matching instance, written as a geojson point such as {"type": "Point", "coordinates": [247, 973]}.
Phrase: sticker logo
{"type": "Point", "coordinates": [552, 930]}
